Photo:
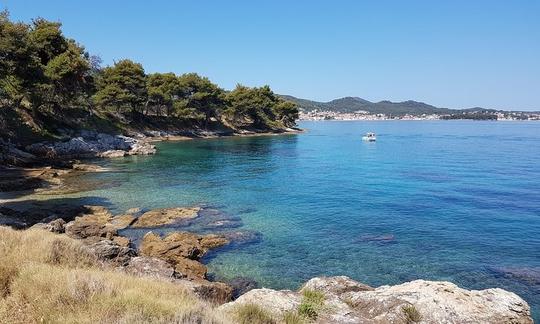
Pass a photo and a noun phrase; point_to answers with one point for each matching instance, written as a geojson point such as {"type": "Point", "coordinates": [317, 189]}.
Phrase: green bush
{"type": "Point", "coordinates": [311, 305]}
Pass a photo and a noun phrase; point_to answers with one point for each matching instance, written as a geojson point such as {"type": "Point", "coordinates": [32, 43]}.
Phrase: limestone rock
{"type": "Point", "coordinates": [179, 245]}
{"type": "Point", "coordinates": [276, 302]}
{"type": "Point", "coordinates": [122, 241]}
{"type": "Point", "coordinates": [55, 226]}
{"type": "Point", "coordinates": [111, 251]}
{"type": "Point", "coordinates": [87, 167]}
{"type": "Point", "coordinates": [347, 301]}
{"type": "Point", "coordinates": [440, 302]}
{"type": "Point", "coordinates": [150, 267]}
{"type": "Point", "coordinates": [112, 154]}
{"type": "Point", "coordinates": [134, 210]}
{"type": "Point", "coordinates": [181, 249]}
{"type": "Point", "coordinates": [335, 285]}
{"type": "Point", "coordinates": [166, 216]}
{"type": "Point", "coordinates": [122, 221]}
{"type": "Point", "coordinates": [99, 222]}
{"type": "Point", "coordinates": [190, 269]}
{"type": "Point", "coordinates": [93, 223]}
{"type": "Point", "coordinates": [91, 144]}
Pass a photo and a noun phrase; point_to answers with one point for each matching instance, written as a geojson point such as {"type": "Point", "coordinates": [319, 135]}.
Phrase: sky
{"type": "Point", "coordinates": [452, 54]}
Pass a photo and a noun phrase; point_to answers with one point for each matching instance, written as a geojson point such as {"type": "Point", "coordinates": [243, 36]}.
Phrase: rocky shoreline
{"type": "Point", "coordinates": [45, 164]}
{"type": "Point", "coordinates": [175, 257]}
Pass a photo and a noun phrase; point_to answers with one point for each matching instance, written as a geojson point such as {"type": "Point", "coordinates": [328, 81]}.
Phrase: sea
{"type": "Point", "coordinates": [456, 201]}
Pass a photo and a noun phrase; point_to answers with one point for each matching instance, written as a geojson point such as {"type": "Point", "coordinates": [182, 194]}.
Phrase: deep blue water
{"type": "Point", "coordinates": [441, 200]}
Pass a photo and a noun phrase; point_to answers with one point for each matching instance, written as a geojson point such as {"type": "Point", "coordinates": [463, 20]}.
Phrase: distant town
{"type": "Point", "coordinates": [365, 115]}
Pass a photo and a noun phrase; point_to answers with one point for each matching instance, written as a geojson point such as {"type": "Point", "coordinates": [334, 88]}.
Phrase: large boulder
{"type": "Point", "coordinates": [335, 285]}
{"type": "Point", "coordinates": [182, 250]}
{"type": "Point", "coordinates": [111, 251]}
{"type": "Point", "coordinates": [55, 226]}
{"type": "Point", "coordinates": [276, 302]}
{"type": "Point", "coordinates": [150, 267]}
{"type": "Point", "coordinates": [166, 216]}
{"type": "Point", "coordinates": [440, 302]}
{"type": "Point", "coordinates": [347, 301]}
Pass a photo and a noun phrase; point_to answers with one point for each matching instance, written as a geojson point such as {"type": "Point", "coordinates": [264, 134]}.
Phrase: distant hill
{"type": "Point", "coordinates": [352, 104]}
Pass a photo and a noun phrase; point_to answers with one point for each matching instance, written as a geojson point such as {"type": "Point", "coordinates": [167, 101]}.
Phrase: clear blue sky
{"type": "Point", "coordinates": [455, 54]}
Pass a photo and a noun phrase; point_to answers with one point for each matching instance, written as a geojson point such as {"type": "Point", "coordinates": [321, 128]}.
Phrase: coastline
{"type": "Point", "coordinates": [513, 307]}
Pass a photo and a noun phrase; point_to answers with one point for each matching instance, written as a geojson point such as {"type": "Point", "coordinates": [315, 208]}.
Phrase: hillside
{"type": "Point", "coordinates": [352, 104]}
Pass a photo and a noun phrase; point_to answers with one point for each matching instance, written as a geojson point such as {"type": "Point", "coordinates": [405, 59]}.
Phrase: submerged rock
{"type": "Point", "coordinates": [224, 223]}
{"type": "Point", "coordinates": [524, 274]}
{"type": "Point", "coordinates": [242, 285]}
{"type": "Point", "coordinates": [348, 301]}
{"type": "Point", "coordinates": [112, 154]}
{"type": "Point", "coordinates": [384, 238]}
{"type": "Point", "coordinates": [243, 237]}
{"type": "Point", "coordinates": [166, 216]}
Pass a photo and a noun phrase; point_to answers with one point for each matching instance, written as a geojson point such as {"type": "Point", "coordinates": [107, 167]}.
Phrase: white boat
{"type": "Point", "coordinates": [369, 137]}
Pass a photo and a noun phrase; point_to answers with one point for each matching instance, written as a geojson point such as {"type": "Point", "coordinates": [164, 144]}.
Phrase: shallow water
{"type": "Point", "coordinates": [441, 200]}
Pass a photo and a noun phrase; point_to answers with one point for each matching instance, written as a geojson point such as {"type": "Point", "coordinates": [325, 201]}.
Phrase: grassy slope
{"type": "Point", "coordinates": [49, 278]}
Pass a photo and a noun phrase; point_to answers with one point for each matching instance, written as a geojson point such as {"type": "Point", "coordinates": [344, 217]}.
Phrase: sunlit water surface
{"type": "Point", "coordinates": [441, 200]}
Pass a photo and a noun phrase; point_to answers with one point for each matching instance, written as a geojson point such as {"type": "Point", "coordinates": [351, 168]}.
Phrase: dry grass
{"type": "Point", "coordinates": [49, 278]}
{"type": "Point", "coordinates": [411, 314]}
{"type": "Point", "coordinates": [253, 314]}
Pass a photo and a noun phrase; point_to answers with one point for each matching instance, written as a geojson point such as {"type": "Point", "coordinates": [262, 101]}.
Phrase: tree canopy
{"type": "Point", "coordinates": [43, 70]}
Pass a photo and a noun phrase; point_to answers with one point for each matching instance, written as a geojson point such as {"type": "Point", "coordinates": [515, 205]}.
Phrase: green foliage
{"type": "Point", "coordinates": [200, 97]}
{"type": "Point", "coordinates": [122, 87]}
{"type": "Point", "coordinates": [313, 296]}
{"type": "Point", "coordinates": [311, 305]}
{"type": "Point", "coordinates": [258, 107]}
{"type": "Point", "coordinates": [163, 91]}
{"type": "Point", "coordinates": [308, 311]}
{"type": "Point", "coordinates": [411, 314]}
{"type": "Point", "coordinates": [45, 71]}
{"type": "Point", "coordinates": [40, 65]}
{"type": "Point", "coordinates": [253, 314]}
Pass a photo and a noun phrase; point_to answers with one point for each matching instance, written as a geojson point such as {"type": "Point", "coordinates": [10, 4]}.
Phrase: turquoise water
{"type": "Point", "coordinates": [441, 200]}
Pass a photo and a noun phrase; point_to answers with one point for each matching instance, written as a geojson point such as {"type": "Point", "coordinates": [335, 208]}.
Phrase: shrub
{"type": "Point", "coordinates": [253, 314]}
{"type": "Point", "coordinates": [313, 296]}
{"type": "Point", "coordinates": [411, 314]}
{"type": "Point", "coordinates": [311, 305]}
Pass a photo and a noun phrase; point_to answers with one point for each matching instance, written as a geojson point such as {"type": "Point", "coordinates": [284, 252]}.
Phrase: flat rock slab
{"type": "Point", "coordinates": [166, 216]}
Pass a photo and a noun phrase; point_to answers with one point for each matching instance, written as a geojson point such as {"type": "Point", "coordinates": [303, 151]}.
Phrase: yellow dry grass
{"type": "Point", "coordinates": [48, 278]}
